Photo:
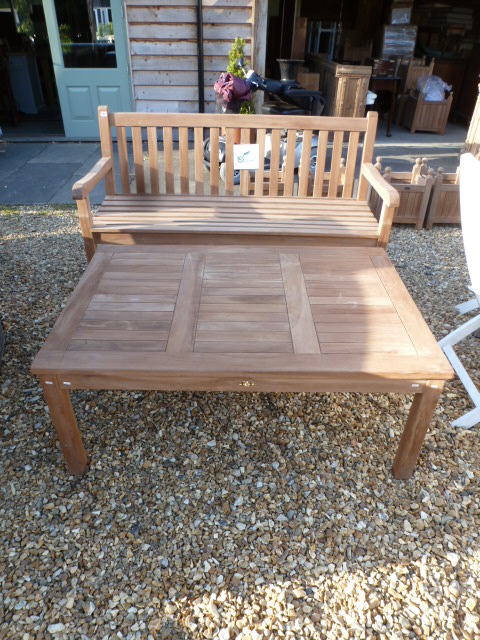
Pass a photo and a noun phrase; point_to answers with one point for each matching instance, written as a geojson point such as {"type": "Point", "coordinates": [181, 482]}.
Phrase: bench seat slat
{"type": "Point", "coordinates": [213, 215]}
{"type": "Point", "coordinates": [212, 229]}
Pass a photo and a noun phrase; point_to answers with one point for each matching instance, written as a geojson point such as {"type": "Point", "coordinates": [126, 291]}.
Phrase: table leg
{"type": "Point", "coordinates": [65, 423]}
{"type": "Point", "coordinates": [418, 421]}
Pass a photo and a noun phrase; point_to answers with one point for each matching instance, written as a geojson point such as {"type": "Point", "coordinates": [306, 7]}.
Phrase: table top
{"type": "Point", "coordinates": [237, 317]}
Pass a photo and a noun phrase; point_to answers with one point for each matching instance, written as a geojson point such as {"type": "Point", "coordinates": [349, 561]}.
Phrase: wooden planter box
{"type": "Point", "coordinates": [445, 202]}
{"type": "Point", "coordinates": [420, 115]}
{"type": "Point", "coordinates": [414, 188]}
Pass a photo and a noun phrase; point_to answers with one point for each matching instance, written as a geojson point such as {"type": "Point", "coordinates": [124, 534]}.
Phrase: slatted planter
{"type": "Point", "coordinates": [415, 189]}
{"type": "Point", "coordinates": [420, 115]}
{"type": "Point", "coordinates": [445, 202]}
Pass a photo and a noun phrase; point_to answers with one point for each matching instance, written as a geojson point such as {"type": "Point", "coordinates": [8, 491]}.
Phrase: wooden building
{"type": "Point", "coordinates": [165, 55]}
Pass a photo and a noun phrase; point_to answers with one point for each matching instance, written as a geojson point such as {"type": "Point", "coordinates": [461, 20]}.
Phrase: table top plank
{"type": "Point", "coordinates": [420, 335]}
{"type": "Point", "coordinates": [68, 320]}
{"type": "Point", "coordinates": [182, 332]}
{"type": "Point", "coordinates": [304, 336]}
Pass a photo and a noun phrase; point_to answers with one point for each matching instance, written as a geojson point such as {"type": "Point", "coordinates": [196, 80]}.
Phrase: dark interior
{"type": "Point", "coordinates": [448, 31]}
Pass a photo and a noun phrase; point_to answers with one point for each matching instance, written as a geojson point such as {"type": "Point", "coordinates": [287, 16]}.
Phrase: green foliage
{"type": "Point", "coordinates": [237, 52]}
{"type": "Point", "coordinates": [65, 38]}
{"type": "Point", "coordinates": [23, 9]}
{"type": "Point", "coordinates": [105, 30]}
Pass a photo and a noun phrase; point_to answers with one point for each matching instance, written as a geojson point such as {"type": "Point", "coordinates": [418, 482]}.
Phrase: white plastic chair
{"type": "Point", "coordinates": [470, 215]}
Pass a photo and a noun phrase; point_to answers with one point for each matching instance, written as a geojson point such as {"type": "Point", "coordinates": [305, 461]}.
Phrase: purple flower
{"type": "Point", "coordinates": [230, 88]}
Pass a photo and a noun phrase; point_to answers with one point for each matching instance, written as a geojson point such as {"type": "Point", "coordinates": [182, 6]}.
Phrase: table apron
{"type": "Point", "coordinates": [274, 382]}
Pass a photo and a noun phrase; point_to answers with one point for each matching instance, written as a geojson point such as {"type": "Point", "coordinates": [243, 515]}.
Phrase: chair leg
{"type": "Point", "coordinates": [470, 419]}
{"type": "Point", "coordinates": [468, 306]}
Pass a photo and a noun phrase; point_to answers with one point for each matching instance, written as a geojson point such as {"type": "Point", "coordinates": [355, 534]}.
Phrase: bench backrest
{"type": "Point", "coordinates": [164, 145]}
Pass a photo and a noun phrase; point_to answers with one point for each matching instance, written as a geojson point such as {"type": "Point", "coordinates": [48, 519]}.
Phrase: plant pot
{"type": "Point", "coordinates": [289, 68]}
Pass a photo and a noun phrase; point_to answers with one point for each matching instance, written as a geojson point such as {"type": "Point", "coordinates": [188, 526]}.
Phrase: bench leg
{"type": "Point", "coordinates": [65, 423]}
{"type": "Point", "coordinates": [419, 417]}
{"type": "Point", "coordinates": [86, 221]}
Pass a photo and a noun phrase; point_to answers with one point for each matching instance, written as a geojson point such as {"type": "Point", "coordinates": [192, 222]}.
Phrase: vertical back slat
{"type": "Point", "coordinates": [214, 161]}
{"type": "Point", "coordinates": [367, 154]}
{"type": "Point", "coordinates": [304, 169]}
{"type": "Point", "coordinates": [289, 163]}
{"type": "Point", "coordinates": [260, 173]}
{"type": "Point", "coordinates": [244, 175]}
{"type": "Point", "coordinates": [106, 145]}
{"type": "Point", "coordinates": [168, 159]}
{"type": "Point", "coordinates": [153, 159]}
{"type": "Point", "coordinates": [335, 166]}
{"type": "Point", "coordinates": [184, 164]}
{"type": "Point", "coordinates": [274, 162]}
{"type": "Point", "coordinates": [320, 168]}
{"type": "Point", "coordinates": [198, 159]}
{"type": "Point", "coordinates": [229, 140]}
{"type": "Point", "coordinates": [138, 159]}
{"type": "Point", "coordinates": [123, 159]}
{"type": "Point", "coordinates": [351, 164]}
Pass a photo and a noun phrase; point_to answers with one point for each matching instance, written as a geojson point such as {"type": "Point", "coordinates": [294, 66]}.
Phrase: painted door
{"type": "Point", "coordinates": [90, 58]}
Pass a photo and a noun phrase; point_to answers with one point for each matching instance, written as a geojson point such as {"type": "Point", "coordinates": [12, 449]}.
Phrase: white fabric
{"type": "Point", "coordinates": [470, 212]}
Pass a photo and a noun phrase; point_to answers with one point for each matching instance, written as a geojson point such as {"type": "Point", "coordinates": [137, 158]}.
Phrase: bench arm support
{"type": "Point", "coordinates": [387, 193]}
{"type": "Point", "coordinates": [390, 197]}
{"type": "Point", "coordinates": [84, 186]}
{"type": "Point", "coordinates": [81, 192]}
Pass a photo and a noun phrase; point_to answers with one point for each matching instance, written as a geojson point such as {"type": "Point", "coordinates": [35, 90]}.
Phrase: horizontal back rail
{"type": "Point", "coordinates": [306, 156]}
{"type": "Point", "coordinates": [237, 121]}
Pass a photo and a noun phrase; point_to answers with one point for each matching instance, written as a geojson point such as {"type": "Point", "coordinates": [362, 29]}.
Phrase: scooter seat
{"type": "Point", "coordinates": [274, 107]}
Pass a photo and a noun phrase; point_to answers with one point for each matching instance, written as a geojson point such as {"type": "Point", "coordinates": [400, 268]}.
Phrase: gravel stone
{"type": "Point", "coordinates": [231, 516]}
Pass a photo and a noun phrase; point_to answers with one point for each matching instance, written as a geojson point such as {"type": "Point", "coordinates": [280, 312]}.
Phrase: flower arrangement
{"type": "Point", "coordinates": [233, 94]}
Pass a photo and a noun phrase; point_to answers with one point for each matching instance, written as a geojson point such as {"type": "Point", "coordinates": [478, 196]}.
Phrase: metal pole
{"type": "Point", "coordinates": [201, 83]}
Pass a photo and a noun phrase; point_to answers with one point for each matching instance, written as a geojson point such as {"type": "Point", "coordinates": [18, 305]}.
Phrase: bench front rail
{"type": "Point", "coordinates": [314, 184]}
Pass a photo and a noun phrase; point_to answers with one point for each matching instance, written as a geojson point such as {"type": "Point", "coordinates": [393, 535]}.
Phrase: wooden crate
{"type": "Point", "coordinates": [344, 87]}
{"type": "Point", "coordinates": [445, 201]}
{"type": "Point", "coordinates": [420, 115]}
{"type": "Point", "coordinates": [415, 189]}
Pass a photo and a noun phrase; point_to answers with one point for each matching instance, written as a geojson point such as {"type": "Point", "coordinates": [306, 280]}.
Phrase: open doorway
{"type": "Point", "coordinates": [29, 105]}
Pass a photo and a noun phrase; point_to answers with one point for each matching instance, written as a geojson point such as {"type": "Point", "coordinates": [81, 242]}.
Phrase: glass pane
{"type": "Point", "coordinates": [86, 33]}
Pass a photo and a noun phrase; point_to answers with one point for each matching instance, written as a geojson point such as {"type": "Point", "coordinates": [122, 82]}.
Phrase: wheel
{"type": "Point", "coordinates": [236, 174]}
{"type": "Point", "coordinates": [313, 159]}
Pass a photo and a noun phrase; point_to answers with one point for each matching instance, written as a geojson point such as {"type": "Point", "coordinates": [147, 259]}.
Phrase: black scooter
{"type": "Point", "coordinates": [286, 97]}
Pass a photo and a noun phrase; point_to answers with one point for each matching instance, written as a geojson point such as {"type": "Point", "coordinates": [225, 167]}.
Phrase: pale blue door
{"type": "Point", "coordinates": [90, 59]}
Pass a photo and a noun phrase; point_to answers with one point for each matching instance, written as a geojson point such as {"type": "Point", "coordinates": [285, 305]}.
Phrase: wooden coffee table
{"type": "Point", "coordinates": [234, 318]}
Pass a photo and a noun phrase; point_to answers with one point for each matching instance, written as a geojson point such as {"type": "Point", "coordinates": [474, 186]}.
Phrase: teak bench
{"type": "Point", "coordinates": [171, 202]}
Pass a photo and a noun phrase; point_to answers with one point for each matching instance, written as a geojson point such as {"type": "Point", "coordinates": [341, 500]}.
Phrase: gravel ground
{"type": "Point", "coordinates": [211, 515]}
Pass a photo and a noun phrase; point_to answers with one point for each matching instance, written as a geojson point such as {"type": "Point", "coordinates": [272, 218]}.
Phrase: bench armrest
{"type": "Point", "coordinates": [82, 187]}
{"type": "Point", "coordinates": [387, 193]}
